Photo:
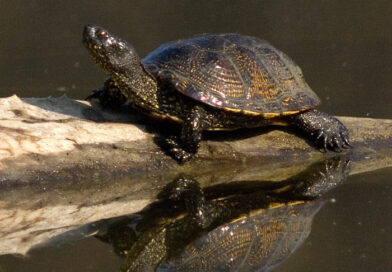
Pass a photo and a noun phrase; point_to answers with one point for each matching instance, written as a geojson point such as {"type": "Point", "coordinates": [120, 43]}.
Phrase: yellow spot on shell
{"type": "Point", "coordinates": [290, 112]}
{"type": "Point", "coordinates": [251, 113]}
{"type": "Point", "coordinates": [306, 108]}
{"type": "Point", "coordinates": [269, 115]}
{"type": "Point", "coordinates": [232, 110]}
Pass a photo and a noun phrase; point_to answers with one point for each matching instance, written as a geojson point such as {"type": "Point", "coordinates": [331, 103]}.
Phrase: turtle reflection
{"type": "Point", "coordinates": [240, 226]}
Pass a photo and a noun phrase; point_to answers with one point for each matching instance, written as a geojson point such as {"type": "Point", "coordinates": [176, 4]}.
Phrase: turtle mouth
{"type": "Point", "coordinates": [108, 51]}
{"type": "Point", "coordinates": [101, 44]}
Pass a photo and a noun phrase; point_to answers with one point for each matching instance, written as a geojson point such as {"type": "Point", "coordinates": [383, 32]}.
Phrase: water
{"type": "Point", "coordinates": [350, 231]}
{"type": "Point", "coordinates": [343, 47]}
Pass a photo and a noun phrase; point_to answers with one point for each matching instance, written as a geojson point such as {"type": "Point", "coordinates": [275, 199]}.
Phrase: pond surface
{"type": "Point", "coordinates": [351, 230]}
{"type": "Point", "coordinates": [343, 47]}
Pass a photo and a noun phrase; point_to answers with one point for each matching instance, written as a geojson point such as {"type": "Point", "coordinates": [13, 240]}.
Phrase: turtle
{"type": "Point", "coordinates": [247, 225]}
{"type": "Point", "coordinates": [212, 82]}
{"type": "Point", "coordinates": [189, 229]}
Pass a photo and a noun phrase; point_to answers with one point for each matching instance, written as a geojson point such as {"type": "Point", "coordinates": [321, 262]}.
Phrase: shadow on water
{"type": "Point", "coordinates": [237, 226]}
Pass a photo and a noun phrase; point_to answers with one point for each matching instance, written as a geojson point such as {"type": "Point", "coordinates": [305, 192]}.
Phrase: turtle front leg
{"type": "Point", "coordinates": [326, 131]}
{"type": "Point", "coordinates": [198, 207]}
{"type": "Point", "coordinates": [185, 147]}
{"type": "Point", "coordinates": [109, 96]}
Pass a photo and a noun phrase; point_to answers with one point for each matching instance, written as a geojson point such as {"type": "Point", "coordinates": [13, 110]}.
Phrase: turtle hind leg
{"type": "Point", "coordinates": [327, 132]}
{"type": "Point", "coordinates": [185, 147]}
{"type": "Point", "coordinates": [109, 96]}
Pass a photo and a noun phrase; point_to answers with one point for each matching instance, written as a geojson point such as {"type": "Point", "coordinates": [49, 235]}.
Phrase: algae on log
{"type": "Point", "coordinates": [48, 139]}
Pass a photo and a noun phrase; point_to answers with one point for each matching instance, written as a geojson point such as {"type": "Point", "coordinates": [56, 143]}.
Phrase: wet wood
{"type": "Point", "coordinates": [64, 163]}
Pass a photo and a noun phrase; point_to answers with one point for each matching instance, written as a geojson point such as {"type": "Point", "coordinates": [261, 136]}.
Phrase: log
{"type": "Point", "coordinates": [57, 139]}
{"type": "Point", "coordinates": [65, 163]}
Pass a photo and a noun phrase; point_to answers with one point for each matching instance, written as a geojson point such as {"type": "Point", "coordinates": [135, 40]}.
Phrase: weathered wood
{"type": "Point", "coordinates": [107, 169]}
{"type": "Point", "coordinates": [47, 139]}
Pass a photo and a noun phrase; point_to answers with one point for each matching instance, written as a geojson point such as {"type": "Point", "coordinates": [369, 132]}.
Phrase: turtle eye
{"type": "Point", "coordinates": [101, 34]}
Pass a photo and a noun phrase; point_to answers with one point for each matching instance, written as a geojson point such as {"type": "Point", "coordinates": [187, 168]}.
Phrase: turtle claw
{"type": "Point", "coordinates": [328, 140]}
{"type": "Point", "coordinates": [95, 94]}
{"type": "Point", "coordinates": [177, 151]}
{"type": "Point", "coordinates": [337, 144]}
{"type": "Point", "coordinates": [327, 131]}
{"type": "Point", "coordinates": [346, 142]}
{"type": "Point", "coordinates": [101, 95]}
{"type": "Point", "coordinates": [108, 98]}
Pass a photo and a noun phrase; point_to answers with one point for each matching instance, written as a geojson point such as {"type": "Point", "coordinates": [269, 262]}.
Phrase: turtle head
{"type": "Point", "coordinates": [110, 52]}
{"type": "Point", "coordinates": [120, 60]}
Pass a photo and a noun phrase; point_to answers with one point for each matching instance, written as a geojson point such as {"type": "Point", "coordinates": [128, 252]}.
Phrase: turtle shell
{"type": "Point", "coordinates": [233, 72]}
{"type": "Point", "coordinates": [256, 242]}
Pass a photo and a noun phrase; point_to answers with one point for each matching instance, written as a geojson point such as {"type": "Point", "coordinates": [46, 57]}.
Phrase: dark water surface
{"type": "Point", "coordinates": [343, 47]}
{"type": "Point", "coordinates": [351, 232]}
